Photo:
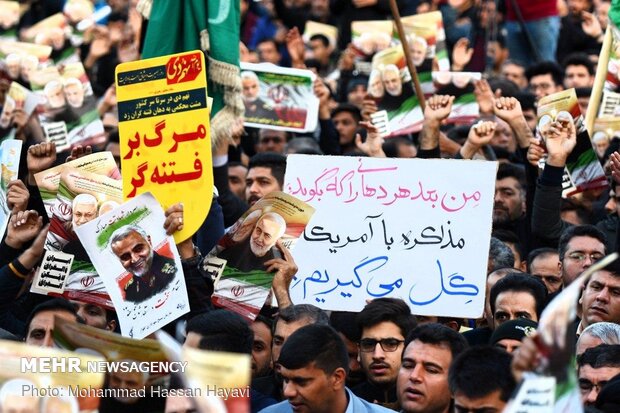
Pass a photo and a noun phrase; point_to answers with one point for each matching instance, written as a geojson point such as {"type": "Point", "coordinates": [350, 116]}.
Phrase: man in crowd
{"type": "Point", "coordinates": [480, 380]}
{"type": "Point", "coordinates": [384, 323]}
{"type": "Point", "coordinates": [314, 367]}
{"type": "Point", "coordinates": [289, 320]}
{"type": "Point", "coordinates": [600, 300]}
{"type": "Point", "coordinates": [40, 324]}
{"type": "Point", "coordinates": [422, 383]}
{"type": "Point", "coordinates": [596, 366]}
{"type": "Point", "coordinates": [265, 175]}
{"type": "Point", "coordinates": [544, 79]}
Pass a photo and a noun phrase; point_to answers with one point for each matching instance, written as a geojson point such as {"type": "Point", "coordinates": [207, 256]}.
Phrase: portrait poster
{"type": "Point", "coordinates": [465, 108]}
{"type": "Point", "coordinates": [68, 114]}
{"type": "Point", "coordinates": [165, 138]}
{"type": "Point", "coordinates": [27, 387]}
{"type": "Point", "coordinates": [420, 25]}
{"type": "Point", "coordinates": [139, 265]}
{"type": "Point", "coordinates": [54, 31]}
{"type": "Point", "coordinates": [237, 262]}
{"type": "Point", "coordinates": [279, 98]}
{"type": "Point", "coordinates": [82, 196]}
{"type": "Point", "coordinates": [372, 241]}
{"type": "Point", "coordinates": [10, 153]}
{"type": "Point", "coordinates": [389, 84]}
{"type": "Point", "coordinates": [18, 97]}
{"type": "Point", "coordinates": [582, 164]}
{"type": "Point", "coordinates": [100, 163]}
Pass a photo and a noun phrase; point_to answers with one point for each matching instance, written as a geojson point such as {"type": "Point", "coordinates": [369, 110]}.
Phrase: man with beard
{"type": "Point", "coordinates": [151, 272]}
{"type": "Point", "coordinates": [83, 210]}
{"type": "Point", "coordinates": [255, 108]}
{"type": "Point", "coordinates": [384, 324]}
{"type": "Point", "coordinates": [251, 254]}
{"type": "Point", "coordinates": [509, 205]}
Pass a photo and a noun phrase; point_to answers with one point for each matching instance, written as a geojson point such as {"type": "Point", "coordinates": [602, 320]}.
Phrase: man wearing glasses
{"type": "Point", "coordinates": [579, 247]}
{"type": "Point", "coordinates": [596, 366]}
{"type": "Point", "coordinates": [384, 323]}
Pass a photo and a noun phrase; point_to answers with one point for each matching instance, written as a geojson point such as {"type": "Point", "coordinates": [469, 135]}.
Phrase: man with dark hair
{"type": "Point", "coordinates": [346, 118]}
{"type": "Point", "coordinates": [545, 78]}
{"type": "Point", "coordinates": [480, 380]}
{"type": "Point", "coordinates": [265, 175]}
{"type": "Point", "coordinates": [344, 323]}
{"type": "Point", "coordinates": [509, 204]}
{"type": "Point", "coordinates": [579, 247]}
{"type": "Point", "coordinates": [289, 320]}
{"type": "Point", "coordinates": [384, 323]}
{"type": "Point", "coordinates": [271, 140]}
{"type": "Point", "coordinates": [40, 323]}
{"type": "Point", "coordinates": [96, 316]}
{"type": "Point", "coordinates": [314, 367]}
{"type": "Point", "coordinates": [261, 348]}
{"type": "Point", "coordinates": [544, 263]}
{"type": "Point", "coordinates": [578, 71]}
{"type": "Point", "coordinates": [268, 51]}
{"type": "Point", "coordinates": [223, 330]}
{"type": "Point", "coordinates": [517, 296]}
{"type": "Point", "coordinates": [595, 367]}
{"type": "Point", "coordinates": [600, 300]}
{"type": "Point", "coordinates": [514, 72]}
{"type": "Point", "coordinates": [399, 147]}
{"type": "Point", "coordinates": [422, 384]}
{"type": "Point", "coordinates": [322, 51]}
{"type": "Point", "coordinates": [236, 178]}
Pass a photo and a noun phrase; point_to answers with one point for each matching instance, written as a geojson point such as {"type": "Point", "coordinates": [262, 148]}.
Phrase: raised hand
{"type": "Point", "coordinates": [285, 269]}
{"type": "Point", "coordinates": [23, 226]}
{"type": "Point", "coordinates": [484, 96]}
{"type": "Point", "coordinates": [41, 157]}
{"type": "Point", "coordinates": [17, 196]}
{"type": "Point", "coordinates": [507, 109]}
{"type": "Point", "coordinates": [438, 107]}
{"type": "Point", "coordinates": [535, 152]}
{"type": "Point", "coordinates": [590, 25]}
{"type": "Point", "coordinates": [560, 139]}
{"type": "Point", "coordinates": [78, 151]}
{"type": "Point", "coordinates": [373, 146]}
{"type": "Point", "coordinates": [295, 46]}
{"type": "Point", "coordinates": [481, 133]}
{"type": "Point", "coordinates": [461, 54]}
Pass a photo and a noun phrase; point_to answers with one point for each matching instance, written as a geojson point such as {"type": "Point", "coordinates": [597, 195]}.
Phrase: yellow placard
{"type": "Point", "coordinates": [165, 135]}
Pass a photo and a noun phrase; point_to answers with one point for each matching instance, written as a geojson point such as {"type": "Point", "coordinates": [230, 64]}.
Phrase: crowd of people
{"type": "Point", "coordinates": [305, 359]}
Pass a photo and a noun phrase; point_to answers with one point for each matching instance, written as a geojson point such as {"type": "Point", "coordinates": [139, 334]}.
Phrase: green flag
{"type": "Point", "coordinates": [614, 12]}
{"type": "Point", "coordinates": [210, 25]}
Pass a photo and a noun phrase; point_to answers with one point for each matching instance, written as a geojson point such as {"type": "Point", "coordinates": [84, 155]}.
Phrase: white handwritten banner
{"type": "Point", "coordinates": [408, 228]}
